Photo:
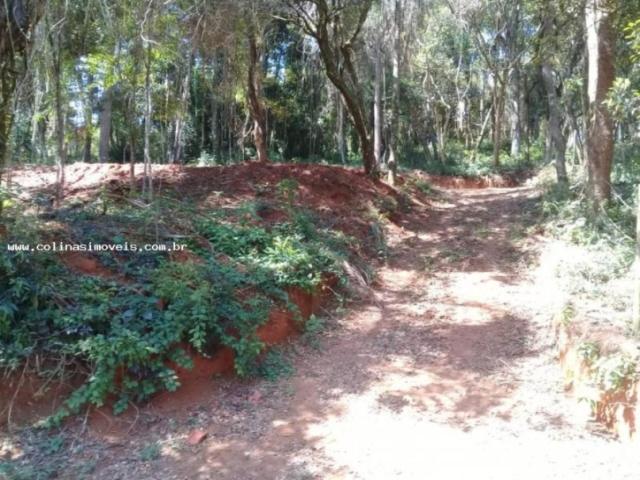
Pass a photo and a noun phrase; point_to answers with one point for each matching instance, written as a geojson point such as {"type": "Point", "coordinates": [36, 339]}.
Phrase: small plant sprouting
{"type": "Point", "coordinates": [312, 328]}
{"type": "Point", "coordinates": [589, 351]}
{"type": "Point", "coordinates": [287, 190]}
{"type": "Point", "coordinates": [150, 452]}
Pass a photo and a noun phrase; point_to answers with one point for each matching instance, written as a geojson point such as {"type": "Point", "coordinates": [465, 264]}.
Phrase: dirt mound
{"type": "Point", "coordinates": [328, 185]}
{"type": "Point", "coordinates": [486, 181]}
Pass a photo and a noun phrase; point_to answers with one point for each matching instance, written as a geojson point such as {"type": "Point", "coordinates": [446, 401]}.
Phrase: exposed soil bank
{"type": "Point", "coordinates": [616, 409]}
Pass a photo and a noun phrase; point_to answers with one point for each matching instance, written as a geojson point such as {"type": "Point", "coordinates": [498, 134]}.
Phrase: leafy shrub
{"type": "Point", "coordinates": [291, 254]}
{"type": "Point", "coordinates": [128, 335]}
{"type": "Point", "coordinates": [614, 371]}
{"type": "Point", "coordinates": [273, 366]}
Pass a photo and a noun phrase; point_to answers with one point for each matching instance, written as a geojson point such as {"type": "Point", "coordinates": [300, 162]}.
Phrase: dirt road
{"type": "Point", "coordinates": [446, 371]}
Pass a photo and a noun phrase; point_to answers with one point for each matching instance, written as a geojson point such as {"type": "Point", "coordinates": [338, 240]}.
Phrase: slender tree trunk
{"type": "Point", "coordinates": [147, 184]}
{"type": "Point", "coordinates": [498, 110]}
{"type": "Point", "coordinates": [342, 148]}
{"type": "Point", "coordinates": [256, 106]}
{"type": "Point", "coordinates": [377, 106]}
{"type": "Point", "coordinates": [601, 74]}
{"type": "Point", "coordinates": [178, 139]}
{"type": "Point", "coordinates": [482, 133]}
{"type": "Point", "coordinates": [398, 16]}
{"type": "Point", "coordinates": [557, 141]}
{"type": "Point", "coordinates": [635, 319]}
{"type": "Point", "coordinates": [216, 139]}
{"type": "Point", "coordinates": [87, 95]}
{"type": "Point", "coordinates": [61, 148]}
{"type": "Point", "coordinates": [17, 19]}
{"type": "Point", "coordinates": [340, 68]}
{"type": "Point", "coordinates": [7, 87]}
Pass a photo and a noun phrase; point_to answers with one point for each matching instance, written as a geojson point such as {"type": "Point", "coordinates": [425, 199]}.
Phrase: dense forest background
{"type": "Point", "coordinates": [465, 87]}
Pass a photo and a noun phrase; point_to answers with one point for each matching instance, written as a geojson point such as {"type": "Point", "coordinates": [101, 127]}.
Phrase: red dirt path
{"type": "Point", "coordinates": [446, 371]}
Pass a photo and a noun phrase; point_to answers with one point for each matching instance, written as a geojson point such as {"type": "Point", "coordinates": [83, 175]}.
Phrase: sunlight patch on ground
{"type": "Point", "coordinates": [381, 445]}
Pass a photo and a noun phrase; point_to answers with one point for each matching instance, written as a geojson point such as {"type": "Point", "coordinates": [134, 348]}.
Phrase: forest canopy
{"type": "Point", "coordinates": [454, 86]}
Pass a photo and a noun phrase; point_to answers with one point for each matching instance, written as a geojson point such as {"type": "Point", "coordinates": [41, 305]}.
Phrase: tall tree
{"type": "Point", "coordinates": [396, 62]}
{"type": "Point", "coordinates": [56, 29]}
{"type": "Point", "coordinates": [336, 27]}
{"type": "Point", "coordinates": [17, 19]}
{"type": "Point", "coordinates": [254, 93]}
{"type": "Point", "coordinates": [104, 120]}
{"type": "Point", "coordinates": [556, 138]}
{"type": "Point", "coordinates": [378, 118]}
{"type": "Point", "coordinates": [601, 74]}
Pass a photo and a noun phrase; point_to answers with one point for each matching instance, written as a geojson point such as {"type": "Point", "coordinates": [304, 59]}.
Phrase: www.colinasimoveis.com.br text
{"type": "Point", "coordinates": [95, 247]}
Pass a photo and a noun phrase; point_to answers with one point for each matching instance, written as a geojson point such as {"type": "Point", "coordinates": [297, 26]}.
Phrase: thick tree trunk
{"type": "Point", "coordinates": [515, 111]}
{"type": "Point", "coordinates": [601, 74]}
{"type": "Point", "coordinates": [104, 120]}
{"type": "Point", "coordinates": [256, 105]}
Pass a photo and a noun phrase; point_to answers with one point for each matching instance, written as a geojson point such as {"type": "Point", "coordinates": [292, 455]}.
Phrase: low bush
{"type": "Point", "coordinates": [127, 335]}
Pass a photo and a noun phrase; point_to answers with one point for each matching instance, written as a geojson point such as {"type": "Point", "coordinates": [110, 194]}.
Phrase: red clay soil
{"type": "Point", "coordinates": [339, 193]}
{"type": "Point", "coordinates": [486, 181]}
{"type": "Point", "coordinates": [85, 264]}
{"type": "Point", "coordinates": [281, 326]}
{"type": "Point", "coordinates": [196, 383]}
{"type": "Point", "coordinates": [25, 397]}
{"type": "Point", "coordinates": [322, 185]}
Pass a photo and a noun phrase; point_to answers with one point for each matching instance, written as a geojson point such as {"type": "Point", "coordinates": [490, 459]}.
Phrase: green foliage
{"type": "Point", "coordinates": [26, 280]}
{"type": "Point", "coordinates": [571, 218]}
{"type": "Point", "coordinates": [566, 315]}
{"type": "Point", "coordinates": [589, 351]}
{"type": "Point", "coordinates": [421, 185]}
{"type": "Point", "coordinates": [131, 335]}
{"type": "Point", "coordinates": [293, 253]}
{"type": "Point", "coordinates": [459, 161]}
{"type": "Point", "coordinates": [206, 301]}
{"type": "Point", "coordinates": [615, 371]}
{"type": "Point", "coordinates": [150, 452]}
{"type": "Point", "coordinates": [273, 366]}
{"type": "Point", "coordinates": [312, 329]}
{"type": "Point", "coordinates": [14, 471]}
{"type": "Point", "coordinates": [287, 189]}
